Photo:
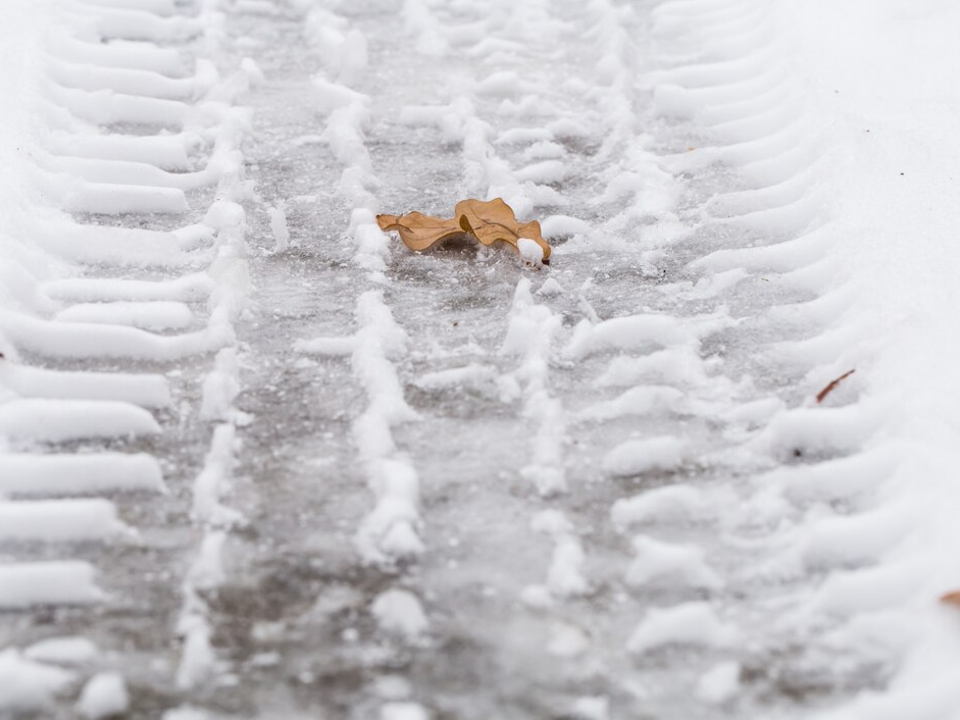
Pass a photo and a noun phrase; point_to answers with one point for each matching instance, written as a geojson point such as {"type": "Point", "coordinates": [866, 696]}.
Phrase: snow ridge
{"type": "Point", "coordinates": [390, 535]}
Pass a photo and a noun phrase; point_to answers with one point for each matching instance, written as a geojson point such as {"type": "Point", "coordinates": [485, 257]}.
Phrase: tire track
{"type": "Point", "coordinates": [71, 420]}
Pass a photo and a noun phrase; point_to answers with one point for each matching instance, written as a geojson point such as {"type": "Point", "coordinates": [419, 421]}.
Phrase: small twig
{"type": "Point", "coordinates": [832, 386]}
{"type": "Point", "coordinates": [951, 598]}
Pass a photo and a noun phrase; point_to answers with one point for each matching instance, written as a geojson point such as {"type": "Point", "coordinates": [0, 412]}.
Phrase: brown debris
{"type": "Point", "coordinates": [487, 221]}
{"type": "Point", "coordinates": [951, 598]}
{"type": "Point", "coordinates": [821, 396]}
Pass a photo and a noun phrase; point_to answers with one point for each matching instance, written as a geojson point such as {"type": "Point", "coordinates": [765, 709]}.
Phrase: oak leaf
{"type": "Point", "coordinates": [487, 221]}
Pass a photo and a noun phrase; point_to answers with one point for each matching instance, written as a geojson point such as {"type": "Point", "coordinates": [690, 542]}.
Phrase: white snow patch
{"type": "Point", "coordinates": [42, 419]}
{"type": "Point", "coordinates": [564, 226]}
{"type": "Point", "coordinates": [638, 456]}
{"type": "Point", "coordinates": [104, 695]}
{"type": "Point", "coordinates": [668, 503]}
{"type": "Point", "coordinates": [28, 686]}
{"type": "Point", "coordinates": [720, 683]}
{"type": "Point", "coordinates": [531, 334]}
{"type": "Point", "coordinates": [537, 597]}
{"type": "Point", "coordinates": [567, 640]}
{"type": "Point", "coordinates": [565, 576]}
{"type": "Point", "coordinates": [63, 651]}
{"type": "Point", "coordinates": [399, 612]}
{"type": "Point", "coordinates": [403, 711]}
{"type": "Point", "coordinates": [591, 708]}
{"type": "Point", "coordinates": [643, 332]}
{"type": "Point", "coordinates": [153, 315]}
{"type": "Point", "coordinates": [61, 520]}
{"type": "Point", "coordinates": [692, 623]}
{"type": "Point", "coordinates": [214, 480]}
{"type": "Point", "coordinates": [550, 288]}
{"type": "Point", "coordinates": [656, 560]}
{"type": "Point", "coordinates": [221, 387]}
{"type": "Point", "coordinates": [530, 250]}
{"type": "Point", "coordinates": [641, 400]}
{"type": "Point", "coordinates": [473, 376]}
{"type": "Point", "coordinates": [62, 582]}
{"type": "Point", "coordinates": [26, 474]}
{"type": "Point", "coordinates": [278, 226]}
{"type": "Point", "coordinates": [186, 713]}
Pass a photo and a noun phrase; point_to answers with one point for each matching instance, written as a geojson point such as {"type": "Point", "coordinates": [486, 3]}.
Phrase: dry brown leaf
{"type": "Point", "coordinates": [419, 231]}
{"type": "Point", "coordinates": [487, 221]}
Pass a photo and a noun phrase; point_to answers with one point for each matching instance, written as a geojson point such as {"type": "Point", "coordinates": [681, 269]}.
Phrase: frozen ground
{"type": "Point", "coordinates": [258, 460]}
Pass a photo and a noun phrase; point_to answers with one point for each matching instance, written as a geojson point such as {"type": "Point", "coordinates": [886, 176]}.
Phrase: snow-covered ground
{"type": "Point", "coordinates": [259, 460]}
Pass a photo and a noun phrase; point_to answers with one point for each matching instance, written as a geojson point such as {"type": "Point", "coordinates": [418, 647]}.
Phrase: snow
{"type": "Point", "coordinates": [531, 335]}
{"type": "Point", "coordinates": [530, 250]}
{"type": "Point", "coordinates": [547, 171]}
{"type": "Point", "coordinates": [148, 391]}
{"type": "Point", "coordinates": [60, 420]}
{"type": "Point", "coordinates": [63, 651]}
{"type": "Point", "coordinates": [638, 332]}
{"type": "Point", "coordinates": [563, 225]}
{"type": "Point", "coordinates": [591, 708]}
{"type": "Point", "coordinates": [885, 115]}
{"type": "Point", "coordinates": [473, 376]}
{"type": "Point", "coordinates": [198, 658]}
{"type": "Point", "coordinates": [638, 456]}
{"type": "Point", "coordinates": [24, 474]}
{"type": "Point", "coordinates": [565, 575]}
{"type": "Point", "coordinates": [213, 482]}
{"type": "Point", "coordinates": [691, 623]}
{"type": "Point", "coordinates": [400, 613]}
{"type": "Point", "coordinates": [63, 582]}
{"type": "Point", "coordinates": [157, 315]}
{"type": "Point", "coordinates": [669, 502]}
{"type": "Point", "coordinates": [720, 683]}
{"type": "Point", "coordinates": [28, 686]}
{"type": "Point", "coordinates": [278, 226]}
{"type": "Point", "coordinates": [186, 713]}
{"type": "Point", "coordinates": [659, 561]}
{"type": "Point", "coordinates": [403, 711]}
{"type": "Point", "coordinates": [221, 387]}
{"type": "Point", "coordinates": [104, 695]}
{"type": "Point", "coordinates": [60, 520]}
{"type": "Point", "coordinates": [640, 400]}
{"type": "Point", "coordinates": [567, 641]}
{"type": "Point", "coordinates": [550, 288]}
